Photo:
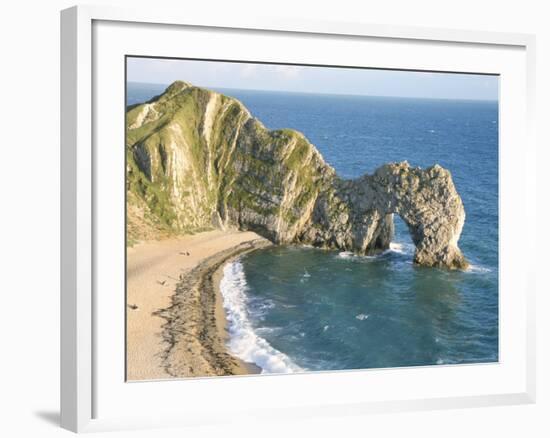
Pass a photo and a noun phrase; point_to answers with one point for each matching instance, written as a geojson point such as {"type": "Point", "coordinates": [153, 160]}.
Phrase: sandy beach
{"type": "Point", "coordinates": [176, 324]}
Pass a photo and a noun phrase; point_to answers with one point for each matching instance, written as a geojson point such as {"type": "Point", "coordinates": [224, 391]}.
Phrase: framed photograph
{"type": "Point", "coordinates": [283, 219]}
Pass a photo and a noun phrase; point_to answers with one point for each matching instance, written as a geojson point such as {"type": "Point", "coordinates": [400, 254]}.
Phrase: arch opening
{"type": "Point", "coordinates": [402, 241]}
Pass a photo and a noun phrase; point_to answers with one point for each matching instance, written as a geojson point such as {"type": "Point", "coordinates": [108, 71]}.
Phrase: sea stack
{"type": "Point", "coordinates": [197, 159]}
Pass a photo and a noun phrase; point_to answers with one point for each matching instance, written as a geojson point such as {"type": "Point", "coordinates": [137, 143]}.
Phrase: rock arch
{"type": "Point", "coordinates": [426, 200]}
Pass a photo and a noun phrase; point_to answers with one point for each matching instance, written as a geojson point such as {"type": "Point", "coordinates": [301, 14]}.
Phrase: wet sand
{"type": "Point", "coordinates": [176, 325]}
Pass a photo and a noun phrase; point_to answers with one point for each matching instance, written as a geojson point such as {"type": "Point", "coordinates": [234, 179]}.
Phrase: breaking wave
{"type": "Point", "coordinates": [244, 342]}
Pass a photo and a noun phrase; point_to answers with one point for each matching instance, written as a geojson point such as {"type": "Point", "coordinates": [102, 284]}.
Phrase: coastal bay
{"type": "Point", "coordinates": [318, 299]}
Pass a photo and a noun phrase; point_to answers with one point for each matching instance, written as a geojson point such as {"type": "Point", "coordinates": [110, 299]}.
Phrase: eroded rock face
{"type": "Point", "coordinates": [197, 159]}
{"type": "Point", "coordinates": [428, 203]}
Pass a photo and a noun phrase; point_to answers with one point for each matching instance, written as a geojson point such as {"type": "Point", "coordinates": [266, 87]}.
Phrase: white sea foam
{"type": "Point", "coordinates": [361, 317]}
{"type": "Point", "coordinates": [475, 269]}
{"type": "Point", "coordinates": [395, 247]}
{"type": "Point", "coordinates": [244, 343]}
{"type": "Point", "coordinates": [401, 248]}
{"type": "Point", "coordinates": [347, 255]}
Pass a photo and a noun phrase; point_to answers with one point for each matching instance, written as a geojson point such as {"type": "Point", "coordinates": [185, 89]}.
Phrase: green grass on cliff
{"type": "Point", "coordinates": [156, 199]}
{"type": "Point", "coordinates": [254, 174]}
{"type": "Point", "coordinates": [178, 125]}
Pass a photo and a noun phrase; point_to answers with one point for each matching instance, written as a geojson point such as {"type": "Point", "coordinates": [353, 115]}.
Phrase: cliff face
{"type": "Point", "coordinates": [197, 159]}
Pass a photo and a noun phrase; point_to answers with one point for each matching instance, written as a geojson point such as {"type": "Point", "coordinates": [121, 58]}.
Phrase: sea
{"type": "Point", "coordinates": [299, 309]}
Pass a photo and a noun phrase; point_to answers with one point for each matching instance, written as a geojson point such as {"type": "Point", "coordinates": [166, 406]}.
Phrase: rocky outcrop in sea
{"type": "Point", "coordinates": [197, 159]}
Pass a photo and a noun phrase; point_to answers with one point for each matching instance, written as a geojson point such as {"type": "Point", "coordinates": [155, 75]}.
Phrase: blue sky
{"type": "Point", "coordinates": [304, 79]}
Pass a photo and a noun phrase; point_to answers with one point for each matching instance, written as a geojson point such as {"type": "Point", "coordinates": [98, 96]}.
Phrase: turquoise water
{"type": "Point", "coordinates": [294, 309]}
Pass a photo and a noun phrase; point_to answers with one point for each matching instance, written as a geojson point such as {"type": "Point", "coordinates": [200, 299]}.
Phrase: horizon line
{"type": "Point", "coordinates": [317, 93]}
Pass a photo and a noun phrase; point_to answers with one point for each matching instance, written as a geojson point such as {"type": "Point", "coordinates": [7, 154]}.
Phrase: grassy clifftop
{"type": "Point", "coordinates": [197, 159]}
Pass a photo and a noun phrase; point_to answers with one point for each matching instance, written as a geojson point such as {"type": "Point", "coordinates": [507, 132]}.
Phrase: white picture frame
{"type": "Point", "coordinates": [83, 374]}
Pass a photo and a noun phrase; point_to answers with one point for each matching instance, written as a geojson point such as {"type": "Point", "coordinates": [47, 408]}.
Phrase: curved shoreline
{"type": "Point", "coordinates": [155, 272]}
{"type": "Point", "coordinates": [195, 330]}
